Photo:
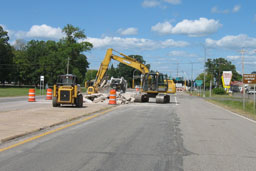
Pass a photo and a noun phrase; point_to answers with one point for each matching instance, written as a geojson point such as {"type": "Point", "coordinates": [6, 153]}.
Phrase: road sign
{"type": "Point", "coordinates": [227, 76]}
{"type": "Point", "coordinates": [199, 83]}
{"type": "Point", "coordinates": [41, 78]}
{"type": "Point", "coordinates": [179, 78]}
{"type": "Point", "coordinates": [249, 78]}
{"type": "Point", "coordinates": [223, 83]}
{"type": "Point", "coordinates": [178, 85]}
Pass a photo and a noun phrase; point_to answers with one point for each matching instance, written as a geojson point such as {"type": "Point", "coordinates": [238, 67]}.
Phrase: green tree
{"type": "Point", "coordinates": [30, 61]}
{"type": "Point", "coordinates": [49, 58]}
{"type": "Point", "coordinates": [215, 67]}
{"type": "Point", "coordinates": [6, 57]}
{"type": "Point", "coordinates": [90, 75]}
{"type": "Point", "coordinates": [127, 71]}
{"type": "Point", "coordinates": [112, 72]}
{"type": "Point", "coordinates": [74, 50]}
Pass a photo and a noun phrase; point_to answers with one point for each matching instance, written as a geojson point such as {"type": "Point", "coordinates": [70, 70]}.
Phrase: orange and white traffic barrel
{"type": "Point", "coordinates": [112, 97]}
{"type": "Point", "coordinates": [31, 95]}
{"type": "Point", "coordinates": [137, 88]}
{"type": "Point", "coordinates": [49, 94]}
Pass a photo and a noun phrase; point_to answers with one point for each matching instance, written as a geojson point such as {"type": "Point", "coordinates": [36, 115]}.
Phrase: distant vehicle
{"type": "Point", "coordinates": [235, 89]}
{"type": "Point", "coordinates": [251, 91]}
{"type": "Point", "coordinates": [192, 89]}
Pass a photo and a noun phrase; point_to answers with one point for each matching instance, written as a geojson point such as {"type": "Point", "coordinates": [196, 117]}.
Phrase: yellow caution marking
{"type": "Point", "coordinates": [55, 130]}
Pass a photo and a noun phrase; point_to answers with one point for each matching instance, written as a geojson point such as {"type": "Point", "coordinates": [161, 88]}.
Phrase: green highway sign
{"type": "Point", "coordinates": [199, 83]}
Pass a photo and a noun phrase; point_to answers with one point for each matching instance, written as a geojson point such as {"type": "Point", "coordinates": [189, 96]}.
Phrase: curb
{"type": "Point", "coordinates": [52, 125]}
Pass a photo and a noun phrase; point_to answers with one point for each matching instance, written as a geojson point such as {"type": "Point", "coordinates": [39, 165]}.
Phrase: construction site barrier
{"type": "Point", "coordinates": [31, 95]}
{"type": "Point", "coordinates": [137, 88]}
{"type": "Point", "coordinates": [112, 97]}
{"type": "Point", "coordinates": [49, 94]}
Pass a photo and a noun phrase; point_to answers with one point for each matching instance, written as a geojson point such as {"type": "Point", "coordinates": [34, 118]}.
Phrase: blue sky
{"type": "Point", "coordinates": [169, 34]}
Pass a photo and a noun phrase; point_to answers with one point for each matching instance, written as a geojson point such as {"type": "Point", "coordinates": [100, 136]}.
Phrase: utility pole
{"type": "Point", "coordinates": [186, 78]}
{"type": "Point", "coordinates": [242, 53]}
{"type": "Point", "coordinates": [177, 70]}
{"type": "Point", "coordinates": [191, 78]}
{"type": "Point", "coordinates": [68, 65]}
{"type": "Point", "coordinates": [204, 69]}
{"type": "Point", "coordinates": [210, 88]}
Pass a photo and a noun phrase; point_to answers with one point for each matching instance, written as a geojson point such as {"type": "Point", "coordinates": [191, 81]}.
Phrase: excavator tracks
{"type": "Point", "coordinates": [160, 98]}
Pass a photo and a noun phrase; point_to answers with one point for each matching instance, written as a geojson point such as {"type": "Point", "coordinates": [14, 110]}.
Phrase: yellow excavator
{"type": "Point", "coordinates": [153, 84]}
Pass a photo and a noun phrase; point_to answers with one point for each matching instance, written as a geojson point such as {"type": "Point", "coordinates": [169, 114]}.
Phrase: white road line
{"type": "Point", "coordinates": [176, 100]}
{"type": "Point", "coordinates": [232, 112]}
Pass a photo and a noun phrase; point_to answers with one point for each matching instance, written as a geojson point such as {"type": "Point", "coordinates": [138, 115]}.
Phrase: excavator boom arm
{"type": "Point", "coordinates": [134, 64]}
{"type": "Point", "coordinates": [125, 60]}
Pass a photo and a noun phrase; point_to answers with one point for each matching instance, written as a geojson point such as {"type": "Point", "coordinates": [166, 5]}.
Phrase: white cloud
{"type": "Point", "coordinates": [233, 57]}
{"type": "Point", "coordinates": [163, 28]}
{"type": "Point", "coordinates": [175, 2]}
{"type": "Point", "coordinates": [233, 42]}
{"type": "Point", "coordinates": [218, 11]}
{"type": "Point", "coordinates": [133, 43]}
{"type": "Point", "coordinates": [181, 54]}
{"type": "Point", "coordinates": [45, 31]}
{"type": "Point", "coordinates": [236, 8]}
{"type": "Point", "coordinates": [159, 3]}
{"type": "Point", "coordinates": [251, 52]}
{"type": "Point", "coordinates": [193, 28]}
{"type": "Point", "coordinates": [150, 3]}
{"type": "Point", "coordinates": [173, 43]}
{"type": "Point", "coordinates": [41, 31]}
{"type": "Point", "coordinates": [128, 31]}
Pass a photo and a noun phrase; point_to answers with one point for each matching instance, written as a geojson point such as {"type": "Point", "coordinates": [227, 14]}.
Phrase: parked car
{"type": "Point", "coordinates": [250, 91]}
{"type": "Point", "coordinates": [235, 89]}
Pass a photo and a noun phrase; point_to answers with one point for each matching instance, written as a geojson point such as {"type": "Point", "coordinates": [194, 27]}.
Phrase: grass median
{"type": "Point", "coordinates": [12, 92]}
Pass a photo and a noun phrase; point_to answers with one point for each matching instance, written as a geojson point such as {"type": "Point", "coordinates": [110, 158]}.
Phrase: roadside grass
{"type": "Point", "coordinates": [237, 107]}
{"type": "Point", "coordinates": [228, 102]}
{"type": "Point", "coordinates": [207, 94]}
{"type": "Point", "coordinates": [12, 92]}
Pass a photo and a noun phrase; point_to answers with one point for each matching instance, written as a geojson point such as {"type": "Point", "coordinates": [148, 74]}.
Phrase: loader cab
{"type": "Point", "coordinates": [66, 80]}
{"type": "Point", "coordinates": [155, 81]}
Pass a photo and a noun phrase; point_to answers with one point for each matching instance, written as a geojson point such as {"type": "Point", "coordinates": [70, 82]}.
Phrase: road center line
{"type": "Point", "coordinates": [55, 130]}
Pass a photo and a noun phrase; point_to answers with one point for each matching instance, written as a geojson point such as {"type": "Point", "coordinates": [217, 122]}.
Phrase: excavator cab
{"type": "Point", "coordinates": [155, 82]}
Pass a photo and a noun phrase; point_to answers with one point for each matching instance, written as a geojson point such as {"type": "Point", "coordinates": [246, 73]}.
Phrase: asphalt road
{"type": "Point", "coordinates": [17, 103]}
{"type": "Point", "coordinates": [192, 135]}
{"type": "Point", "coordinates": [17, 99]}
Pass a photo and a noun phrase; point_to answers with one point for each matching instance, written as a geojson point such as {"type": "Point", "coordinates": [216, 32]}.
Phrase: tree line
{"type": "Point", "coordinates": [24, 62]}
